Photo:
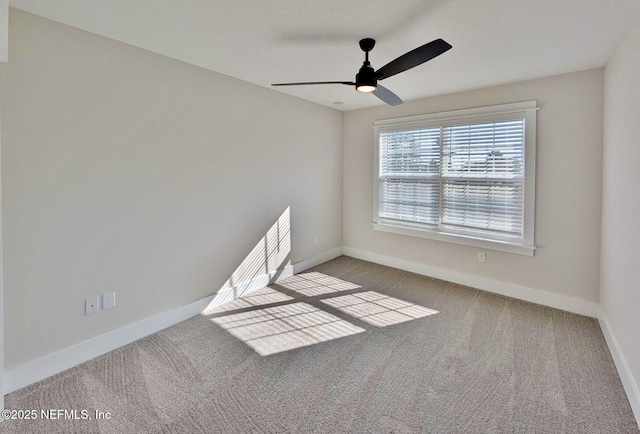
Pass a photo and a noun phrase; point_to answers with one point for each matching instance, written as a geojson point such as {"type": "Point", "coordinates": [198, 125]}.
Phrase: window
{"type": "Point", "coordinates": [466, 176]}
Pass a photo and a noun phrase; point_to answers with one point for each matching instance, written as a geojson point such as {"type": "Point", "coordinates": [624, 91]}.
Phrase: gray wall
{"type": "Point", "coordinates": [620, 272]}
{"type": "Point", "coordinates": [568, 186]}
{"type": "Point", "coordinates": [125, 170]}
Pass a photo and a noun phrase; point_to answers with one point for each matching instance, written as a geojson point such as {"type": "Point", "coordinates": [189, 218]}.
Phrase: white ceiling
{"type": "Point", "coordinates": [267, 41]}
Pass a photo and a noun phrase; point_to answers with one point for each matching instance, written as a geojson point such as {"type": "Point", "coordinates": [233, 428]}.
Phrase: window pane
{"type": "Point", "coordinates": [489, 150]}
{"type": "Point", "coordinates": [409, 200]}
{"type": "Point", "coordinates": [412, 153]}
{"type": "Point", "coordinates": [492, 206]}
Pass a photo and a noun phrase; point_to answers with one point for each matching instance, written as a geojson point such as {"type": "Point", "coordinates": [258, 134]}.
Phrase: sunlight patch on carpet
{"type": "Point", "coordinates": [282, 328]}
{"type": "Point", "coordinates": [259, 297]}
{"type": "Point", "coordinates": [378, 309]}
{"type": "Point", "coordinates": [314, 283]}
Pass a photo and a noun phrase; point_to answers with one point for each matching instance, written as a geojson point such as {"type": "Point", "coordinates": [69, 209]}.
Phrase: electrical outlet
{"type": "Point", "coordinates": [109, 300]}
{"type": "Point", "coordinates": [482, 257]}
{"type": "Point", "coordinates": [91, 305]}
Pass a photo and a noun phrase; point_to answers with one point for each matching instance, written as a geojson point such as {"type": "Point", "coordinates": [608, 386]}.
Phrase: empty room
{"type": "Point", "coordinates": [302, 216]}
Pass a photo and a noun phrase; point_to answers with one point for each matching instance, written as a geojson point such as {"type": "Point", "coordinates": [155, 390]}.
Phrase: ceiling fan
{"type": "Point", "coordinates": [367, 78]}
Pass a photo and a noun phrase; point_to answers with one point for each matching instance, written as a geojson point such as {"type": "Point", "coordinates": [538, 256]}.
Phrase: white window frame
{"type": "Point", "coordinates": [524, 110]}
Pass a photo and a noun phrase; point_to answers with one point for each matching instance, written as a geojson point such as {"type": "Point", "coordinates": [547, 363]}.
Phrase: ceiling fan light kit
{"type": "Point", "coordinates": [367, 78]}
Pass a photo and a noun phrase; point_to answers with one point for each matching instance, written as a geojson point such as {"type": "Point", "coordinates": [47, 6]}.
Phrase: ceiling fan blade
{"type": "Point", "coordinates": [387, 96]}
{"type": "Point", "coordinates": [413, 58]}
{"type": "Point", "coordinates": [350, 83]}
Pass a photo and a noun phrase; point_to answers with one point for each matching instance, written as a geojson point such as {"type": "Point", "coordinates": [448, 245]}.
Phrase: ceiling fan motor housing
{"type": "Point", "coordinates": [366, 80]}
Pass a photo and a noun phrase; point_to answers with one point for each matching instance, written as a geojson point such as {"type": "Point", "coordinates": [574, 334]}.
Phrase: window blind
{"type": "Point", "coordinates": [467, 177]}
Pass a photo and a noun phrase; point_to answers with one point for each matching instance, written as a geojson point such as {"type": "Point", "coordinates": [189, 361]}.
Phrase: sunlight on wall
{"type": "Point", "coordinates": [282, 328]}
{"type": "Point", "coordinates": [378, 309]}
{"type": "Point", "coordinates": [268, 261]}
{"type": "Point", "coordinates": [267, 256]}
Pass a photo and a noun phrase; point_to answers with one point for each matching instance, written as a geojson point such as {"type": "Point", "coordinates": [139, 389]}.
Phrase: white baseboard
{"type": "Point", "coordinates": [51, 364]}
{"type": "Point", "coordinates": [299, 267]}
{"type": "Point", "coordinates": [545, 298]}
{"type": "Point", "coordinates": [628, 382]}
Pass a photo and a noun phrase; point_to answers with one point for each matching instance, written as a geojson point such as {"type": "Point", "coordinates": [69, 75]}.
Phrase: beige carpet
{"type": "Point", "coordinates": [350, 346]}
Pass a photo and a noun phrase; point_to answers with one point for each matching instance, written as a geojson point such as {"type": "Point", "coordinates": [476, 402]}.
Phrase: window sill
{"type": "Point", "coordinates": [465, 240]}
